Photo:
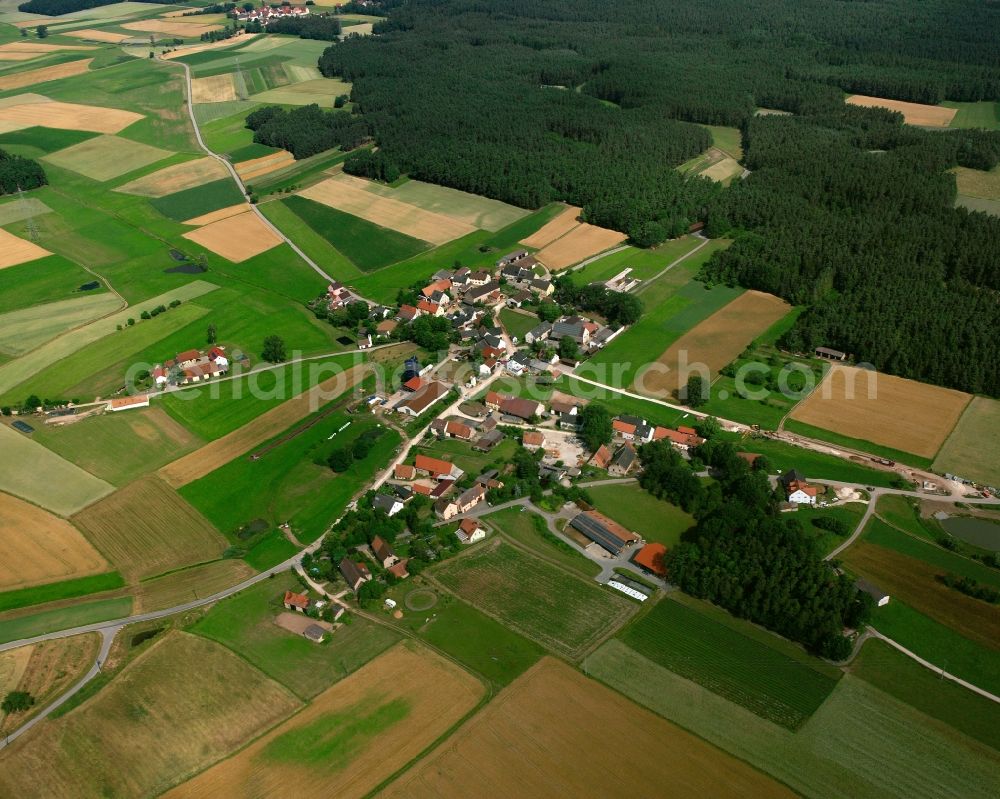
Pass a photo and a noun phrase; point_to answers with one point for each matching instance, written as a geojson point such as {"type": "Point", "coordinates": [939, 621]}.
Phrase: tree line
{"type": "Point", "coordinates": [55, 8]}
{"type": "Point", "coordinates": [324, 27]}
{"type": "Point", "coordinates": [307, 130]}
{"type": "Point", "coordinates": [17, 172]}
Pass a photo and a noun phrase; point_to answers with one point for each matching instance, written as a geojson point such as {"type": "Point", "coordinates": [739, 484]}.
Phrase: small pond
{"type": "Point", "coordinates": [978, 532]}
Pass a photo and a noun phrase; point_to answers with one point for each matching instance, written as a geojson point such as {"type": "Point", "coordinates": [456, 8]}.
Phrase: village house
{"type": "Point", "coordinates": [624, 461]}
{"type": "Point", "coordinates": [314, 633]}
{"type": "Point", "coordinates": [266, 14]}
{"type": "Point", "coordinates": [297, 602]}
{"type": "Point", "coordinates": [514, 406]}
{"type": "Point", "coordinates": [421, 399]}
{"type": "Point", "coordinates": [384, 328]}
{"type": "Point", "coordinates": [459, 430]}
{"type": "Point", "coordinates": [384, 553]}
{"type": "Point", "coordinates": [428, 307]}
{"type": "Point", "coordinates": [797, 490]}
{"type": "Point", "coordinates": [354, 573]}
{"type": "Point", "coordinates": [389, 505]}
{"type": "Point", "coordinates": [538, 333]}
{"type": "Point", "coordinates": [574, 328]}
{"type": "Point", "coordinates": [601, 458]}
{"type": "Point", "coordinates": [407, 313]}
{"type": "Point", "coordinates": [684, 438]}
{"type": "Point", "coordinates": [337, 296]}
{"type": "Point", "coordinates": [469, 531]}
{"type": "Point", "coordinates": [437, 468]}
{"type": "Point", "coordinates": [533, 439]}
{"type": "Point", "coordinates": [404, 471]}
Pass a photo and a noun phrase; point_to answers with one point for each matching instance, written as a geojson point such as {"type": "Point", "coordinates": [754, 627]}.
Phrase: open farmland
{"type": "Point", "coordinates": [722, 171]}
{"type": "Point", "coordinates": [68, 116]}
{"type": "Point", "coordinates": [973, 448]}
{"type": "Point", "coordinates": [903, 414]}
{"type": "Point", "coordinates": [178, 707]}
{"type": "Point", "coordinates": [713, 343]}
{"type": "Point", "coordinates": [15, 250]}
{"type": "Point", "coordinates": [190, 584]}
{"type": "Point", "coordinates": [17, 372]}
{"type": "Point", "coordinates": [549, 732]}
{"type": "Point", "coordinates": [178, 177]}
{"type": "Point", "coordinates": [25, 329]}
{"type": "Point", "coordinates": [263, 165]}
{"type": "Point", "coordinates": [218, 216]}
{"type": "Point", "coordinates": [94, 35]}
{"type": "Point", "coordinates": [213, 89]}
{"type": "Point", "coordinates": [37, 547]}
{"type": "Point", "coordinates": [935, 116]}
{"type": "Point", "coordinates": [349, 194]}
{"type": "Point", "coordinates": [581, 242]}
{"type": "Point", "coordinates": [47, 669]}
{"type": "Point", "coordinates": [246, 624]}
{"type": "Point", "coordinates": [146, 529]}
{"type": "Point", "coordinates": [303, 92]}
{"type": "Point", "coordinates": [133, 443]}
{"type": "Point", "coordinates": [106, 157]}
{"type": "Point", "coordinates": [236, 238]}
{"type": "Point", "coordinates": [558, 226]}
{"type": "Point", "coordinates": [544, 602]}
{"type": "Point", "coordinates": [860, 744]}
{"type": "Point", "coordinates": [67, 70]}
{"type": "Point", "coordinates": [354, 735]}
{"type": "Point", "coordinates": [785, 687]}
{"type": "Point", "coordinates": [523, 529]}
{"type": "Point", "coordinates": [45, 479]}
{"type": "Point", "coordinates": [914, 581]}
{"type": "Point", "coordinates": [978, 183]}
{"type": "Point", "coordinates": [21, 208]}
{"type": "Point", "coordinates": [181, 29]}
{"type": "Point", "coordinates": [28, 622]}
{"type": "Point", "coordinates": [219, 452]}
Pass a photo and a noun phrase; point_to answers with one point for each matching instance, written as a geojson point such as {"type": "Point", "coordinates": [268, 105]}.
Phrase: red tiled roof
{"type": "Point", "coordinates": [533, 438]}
{"type": "Point", "coordinates": [413, 383]}
{"type": "Point", "coordinates": [296, 600]}
{"type": "Point", "coordinates": [128, 402]}
{"type": "Point", "coordinates": [468, 526]}
{"type": "Point", "coordinates": [437, 285]}
{"type": "Point", "coordinates": [188, 355]}
{"type": "Point", "coordinates": [678, 436]}
{"type": "Point", "coordinates": [805, 488]}
{"type": "Point", "coordinates": [404, 471]}
{"type": "Point", "coordinates": [686, 430]}
{"type": "Point", "coordinates": [623, 427]}
{"type": "Point", "coordinates": [602, 458]}
{"type": "Point", "coordinates": [422, 488]}
{"type": "Point", "coordinates": [435, 466]}
{"type": "Point", "coordinates": [458, 430]}
{"type": "Point", "coordinates": [427, 307]}
{"type": "Point", "coordinates": [651, 557]}
{"type": "Point", "coordinates": [399, 569]}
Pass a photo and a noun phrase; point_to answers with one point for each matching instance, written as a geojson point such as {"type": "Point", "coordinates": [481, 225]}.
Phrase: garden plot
{"type": "Point", "coordinates": [236, 238]}
{"type": "Point", "coordinates": [37, 547]}
{"type": "Point", "coordinates": [106, 157]}
{"type": "Point", "coordinates": [67, 70]}
{"type": "Point", "coordinates": [913, 113]}
{"type": "Point", "coordinates": [175, 178]}
{"type": "Point", "coordinates": [14, 250]}
{"type": "Point", "coordinates": [67, 116]}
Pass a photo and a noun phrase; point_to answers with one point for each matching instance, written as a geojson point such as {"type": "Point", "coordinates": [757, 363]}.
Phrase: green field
{"type": "Point", "coordinates": [759, 671]}
{"type": "Point", "coordinates": [49, 279]}
{"type": "Point", "coordinates": [973, 448]}
{"type": "Point", "coordinates": [939, 645]}
{"type": "Point", "coordinates": [27, 328]}
{"type": "Point", "coordinates": [517, 323]}
{"type": "Point", "coordinates": [984, 114]}
{"type": "Point", "coordinates": [244, 623]}
{"type": "Point", "coordinates": [639, 511]}
{"type": "Point", "coordinates": [674, 303]}
{"type": "Point", "coordinates": [559, 610]}
{"type": "Point", "coordinates": [366, 245]}
{"type": "Point", "coordinates": [862, 743]}
{"type": "Point", "coordinates": [643, 263]}
{"type": "Point", "coordinates": [199, 200]}
{"type": "Point", "coordinates": [485, 646]}
{"type": "Point", "coordinates": [291, 482]}
{"type": "Point", "coordinates": [42, 140]}
{"type": "Point", "coordinates": [520, 525]}
{"type": "Point", "coordinates": [67, 589]}
{"type": "Point", "coordinates": [729, 140]}
{"type": "Point", "coordinates": [57, 351]}
{"type": "Point", "coordinates": [49, 621]}
{"type": "Point", "coordinates": [849, 513]}
{"type": "Point", "coordinates": [21, 209]}
{"type": "Point", "coordinates": [106, 157]}
{"type": "Point", "coordinates": [313, 244]}
{"type": "Point", "coordinates": [272, 548]}
{"type": "Point", "coordinates": [908, 681]}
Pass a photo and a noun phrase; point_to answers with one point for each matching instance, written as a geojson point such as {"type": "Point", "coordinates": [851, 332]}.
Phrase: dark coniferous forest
{"type": "Point", "coordinates": [846, 210]}
{"type": "Point", "coordinates": [21, 173]}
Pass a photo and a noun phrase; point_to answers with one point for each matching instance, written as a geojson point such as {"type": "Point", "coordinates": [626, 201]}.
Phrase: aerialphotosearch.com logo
{"type": "Point", "coordinates": [329, 377]}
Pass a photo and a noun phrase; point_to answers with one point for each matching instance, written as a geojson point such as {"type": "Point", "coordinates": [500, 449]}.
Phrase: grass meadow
{"type": "Point", "coordinates": [47, 621]}
{"type": "Point", "coordinates": [516, 323]}
{"type": "Point", "coordinates": [644, 264]}
{"type": "Point", "coordinates": [65, 589]}
{"type": "Point", "coordinates": [244, 623]}
{"type": "Point", "coordinates": [561, 611]}
{"type": "Point", "coordinates": [751, 667]}
{"type": "Point", "coordinates": [973, 448]}
{"type": "Point", "coordinates": [631, 505]}
{"type": "Point", "coordinates": [194, 202]}
{"type": "Point", "coordinates": [46, 280]}
{"type": "Point", "coordinates": [520, 525]}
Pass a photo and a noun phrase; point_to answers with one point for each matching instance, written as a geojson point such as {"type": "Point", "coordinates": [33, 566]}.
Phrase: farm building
{"type": "Point", "coordinates": [624, 461]}
{"type": "Point", "coordinates": [797, 490]}
{"type": "Point", "coordinates": [629, 588]}
{"type": "Point", "coordinates": [126, 403]}
{"type": "Point", "coordinates": [469, 531]}
{"type": "Point", "coordinates": [538, 333]}
{"type": "Point", "coordinates": [458, 430]}
{"type": "Point", "coordinates": [602, 458]}
{"type": "Point", "coordinates": [533, 439]}
{"type": "Point", "coordinates": [296, 602]}
{"type": "Point", "coordinates": [421, 399]}
{"type": "Point", "coordinates": [650, 558]}
{"type": "Point", "coordinates": [830, 355]}
{"type": "Point", "coordinates": [684, 438]}
{"type": "Point", "coordinates": [604, 531]}
{"type": "Point", "coordinates": [881, 597]}
{"type": "Point", "coordinates": [436, 467]}
{"type": "Point", "coordinates": [384, 553]}
{"type": "Point", "coordinates": [399, 569]}
{"type": "Point", "coordinates": [404, 471]}
{"type": "Point", "coordinates": [315, 633]}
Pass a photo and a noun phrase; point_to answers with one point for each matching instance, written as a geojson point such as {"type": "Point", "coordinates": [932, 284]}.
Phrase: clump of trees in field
{"type": "Point", "coordinates": [747, 557]}
{"type": "Point", "coordinates": [616, 307]}
{"type": "Point", "coordinates": [274, 350]}
{"type": "Point", "coordinates": [17, 172]}
{"type": "Point", "coordinates": [307, 130]}
{"type": "Point", "coordinates": [17, 702]}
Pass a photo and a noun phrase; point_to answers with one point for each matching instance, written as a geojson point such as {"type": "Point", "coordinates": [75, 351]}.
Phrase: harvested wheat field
{"type": "Point", "coordinates": [146, 528]}
{"type": "Point", "coordinates": [716, 341]}
{"type": "Point", "coordinates": [49, 669]}
{"type": "Point", "coordinates": [178, 177]}
{"type": "Point", "coordinates": [188, 585]}
{"type": "Point", "coordinates": [236, 238]}
{"type": "Point", "coordinates": [106, 157]}
{"type": "Point", "coordinates": [14, 250]}
{"type": "Point", "coordinates": [265, 427]}
{"type": "Point", "coordinates": [553, 229]}
{"type": "Point", "coordinates": [548, 734]}
{"type": "Point", "coordinates": [271, 162]}
{"type": "Point", "coordinates": [13, 664]}
{"type": "Point", "coordinates": [903, 414]}
{"type": "Point", "coordinates": [68, 116]}
{"type": "Point", "coordinates": [17, 56]}
{"type": "Point", "coordinates": [170, 28]}
{"type": "Point", "coordinates": [177, 708]}
{"type": "Point", "coordinates": [216, 216]}
{"type": "Point", "coordinates": [343, 193]}
{"type": "Point", "coordinates": [353, 735]}
{"type": "Point", "coordinates": [93, 35]}
{"type": "Point", "coordinates": [213, 89]}
{"type": "Point", "coordinates": [44, 74]}
{"type": "Point", "coordinates": [935, 116]}
{"type": "Point", "coordinates": [37, 547]}
{"type": "Point", "coordinates": [723, 170]}
{"type": "Point", "coordinates": [581, 242]}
